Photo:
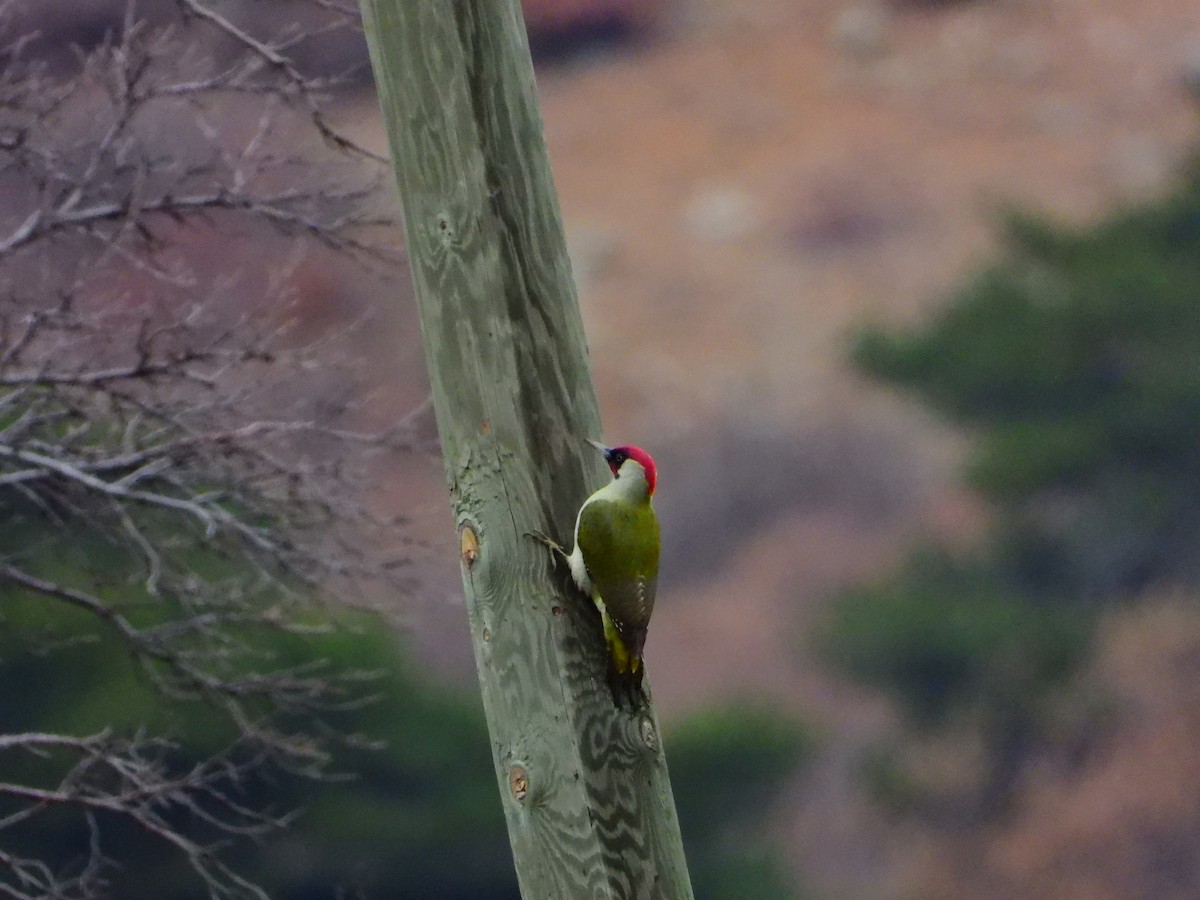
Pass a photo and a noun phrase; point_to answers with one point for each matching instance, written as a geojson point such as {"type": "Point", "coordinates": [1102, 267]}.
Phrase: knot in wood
{"type": "Point", "coordinates": [468, 545]}
{"type": "Point", "coordinates": [649, 734]}
{"type": "Point", "coordinates": [444, 231]}
{"type": "Point", "coordinates": [518, 782]}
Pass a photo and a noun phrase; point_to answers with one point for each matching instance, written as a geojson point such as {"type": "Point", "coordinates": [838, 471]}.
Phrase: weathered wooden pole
{"type": "Point", "coordinates": [584, 785]}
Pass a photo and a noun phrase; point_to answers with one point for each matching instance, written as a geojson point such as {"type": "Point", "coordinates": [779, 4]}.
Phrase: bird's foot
{"type": "Point", "coordinates": [557, 551]}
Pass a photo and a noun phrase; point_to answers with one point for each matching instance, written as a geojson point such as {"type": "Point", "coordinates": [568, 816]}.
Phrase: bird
{"type": "Point", "coordinates": [615, 562]}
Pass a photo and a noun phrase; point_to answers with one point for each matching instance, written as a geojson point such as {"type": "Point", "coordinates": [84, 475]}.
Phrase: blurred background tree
{"type": "Point", "coordinates": [726, 766]}
{"type": "Point", "coordinates": [1073, 364]}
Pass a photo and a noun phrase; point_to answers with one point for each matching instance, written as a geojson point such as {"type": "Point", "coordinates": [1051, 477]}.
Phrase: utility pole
{"type": "Point", "coordinates": [584, 785]}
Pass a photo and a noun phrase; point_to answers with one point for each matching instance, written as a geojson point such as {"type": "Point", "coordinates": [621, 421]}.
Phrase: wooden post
{"type": "Point", "coordinates": [584, 785]}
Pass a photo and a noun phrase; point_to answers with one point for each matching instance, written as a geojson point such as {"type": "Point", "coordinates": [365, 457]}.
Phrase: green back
{"type": "Point", "coordinates": [620, 545]}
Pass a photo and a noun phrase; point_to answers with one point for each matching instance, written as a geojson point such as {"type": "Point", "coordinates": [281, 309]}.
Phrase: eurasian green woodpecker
{"type": "Point", "coordinates": [615, 561]}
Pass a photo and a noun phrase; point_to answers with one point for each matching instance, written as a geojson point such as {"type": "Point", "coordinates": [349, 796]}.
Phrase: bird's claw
{"type": "Point", "coordinates": [542, 538]}
{"type": "Point", "coordinates": [557, 550]}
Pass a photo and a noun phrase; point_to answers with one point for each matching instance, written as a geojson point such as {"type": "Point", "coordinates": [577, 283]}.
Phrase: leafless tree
{"type": "Point", "coordinates": [177, 463]}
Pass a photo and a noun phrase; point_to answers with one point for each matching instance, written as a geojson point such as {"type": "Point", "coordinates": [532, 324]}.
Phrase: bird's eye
{"type": "Point", "coordinates": [619, 458]}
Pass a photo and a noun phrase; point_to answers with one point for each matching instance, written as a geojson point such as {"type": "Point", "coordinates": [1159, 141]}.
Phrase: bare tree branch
{"type": "Point", "coordinates": [180, 472]}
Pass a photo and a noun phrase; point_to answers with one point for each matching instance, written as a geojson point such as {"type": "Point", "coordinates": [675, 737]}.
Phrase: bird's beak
{"type": "Point", "coordinates": [601, 447]}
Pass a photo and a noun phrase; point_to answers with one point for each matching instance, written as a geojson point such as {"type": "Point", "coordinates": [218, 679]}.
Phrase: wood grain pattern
{"type": "Point", "coordinates": [584, 786]}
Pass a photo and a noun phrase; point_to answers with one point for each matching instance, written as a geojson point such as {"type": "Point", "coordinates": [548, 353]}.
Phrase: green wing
{"type": "Point", "coordinates": [620, 546]}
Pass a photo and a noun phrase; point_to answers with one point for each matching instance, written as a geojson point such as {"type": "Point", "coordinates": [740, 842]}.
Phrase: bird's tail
{"type": "Point", "coordinates": [625, 668]}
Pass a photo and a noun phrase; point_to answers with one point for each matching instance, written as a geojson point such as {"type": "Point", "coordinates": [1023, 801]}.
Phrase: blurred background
{"type": "Point", "coordinates": [905, 299]}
